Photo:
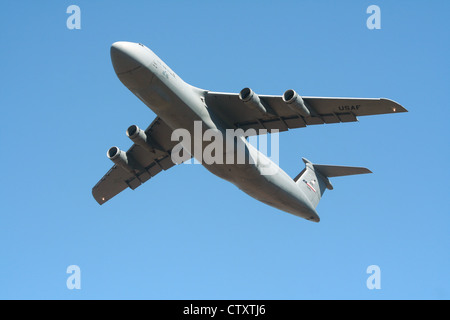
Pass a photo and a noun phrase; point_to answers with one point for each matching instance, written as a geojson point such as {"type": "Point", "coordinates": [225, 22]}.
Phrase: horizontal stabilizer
{"type": "Point", "coordinates": [313, 180]}
{"type": "Point", "coordinates": [339, 171]}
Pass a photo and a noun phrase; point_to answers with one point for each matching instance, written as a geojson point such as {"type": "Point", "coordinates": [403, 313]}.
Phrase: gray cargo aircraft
{"type": "Point", "coordinates": [180, 105]}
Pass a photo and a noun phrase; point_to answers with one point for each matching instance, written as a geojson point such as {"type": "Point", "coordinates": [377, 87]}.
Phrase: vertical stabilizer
{"type": "Point", "coordinates": [313, 180]}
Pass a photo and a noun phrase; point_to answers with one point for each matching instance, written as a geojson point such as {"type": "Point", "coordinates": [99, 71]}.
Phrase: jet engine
{"type": "Point", "coordinates": [249, 97]}
{"type": "Point", "coordinates": [139, 137]}
{"type": "Point", "coordinates": [296, 103]}
{"type": "Point", "coordinates": [120, 158]}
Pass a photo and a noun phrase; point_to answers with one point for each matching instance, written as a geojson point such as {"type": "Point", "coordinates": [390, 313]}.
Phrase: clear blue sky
{"type": "Point", "coordinates": [186, 234]}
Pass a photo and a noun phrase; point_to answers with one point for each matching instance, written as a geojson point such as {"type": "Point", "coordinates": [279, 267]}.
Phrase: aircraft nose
{"type": "Point", "coordinates": [123, 57]}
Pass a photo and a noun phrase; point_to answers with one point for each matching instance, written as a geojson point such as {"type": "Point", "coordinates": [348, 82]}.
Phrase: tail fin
{"type": "Point", "coordinates": [313, 180]}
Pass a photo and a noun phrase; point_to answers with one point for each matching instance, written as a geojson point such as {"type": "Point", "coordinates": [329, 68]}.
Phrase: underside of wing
{"type": "Point", "coordinates": [145, 159]}
{"type": "Point", "coordinates": [275, 112]}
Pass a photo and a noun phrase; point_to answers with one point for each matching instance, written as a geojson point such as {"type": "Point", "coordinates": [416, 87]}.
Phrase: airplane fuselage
{"type": "Point", "coordinates": [181, 105]}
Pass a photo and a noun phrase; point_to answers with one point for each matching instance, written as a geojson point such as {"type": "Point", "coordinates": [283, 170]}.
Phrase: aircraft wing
{"type": "Point", "coordinates": [239, 114]}
{"type": "Point", "coordinates": [146, 163]}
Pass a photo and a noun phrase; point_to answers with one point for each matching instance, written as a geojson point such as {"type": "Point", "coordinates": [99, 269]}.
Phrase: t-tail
{"type": "Point", "coordinates": [313, 180]}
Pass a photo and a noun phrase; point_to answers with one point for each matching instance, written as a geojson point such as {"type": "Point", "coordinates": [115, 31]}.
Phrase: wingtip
{"type": "Point", "coordinates": [100, 200]}
{"type": "Point", "coordinates": [396, 107]}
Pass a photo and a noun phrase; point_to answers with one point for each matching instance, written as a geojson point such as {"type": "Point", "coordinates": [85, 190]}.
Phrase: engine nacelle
{"type": "Point", "coordinates": [296, 103]}
{"type": "Point", "coordinates": [120, 158]}
{"type": "Point", "coordinates": [249, 97]}
{"type": "Point", "coordinates": [139, 137]}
